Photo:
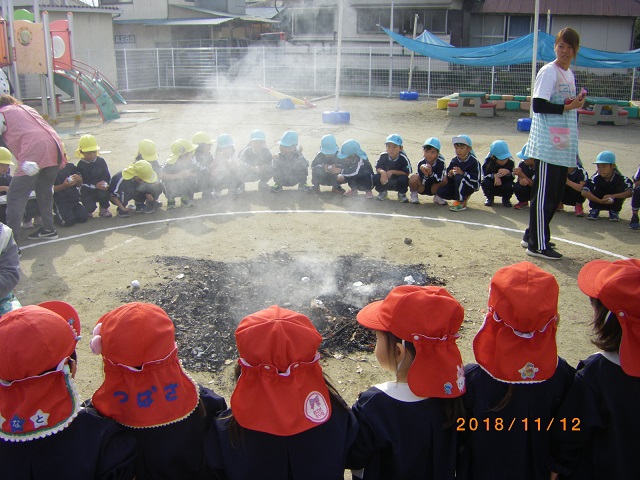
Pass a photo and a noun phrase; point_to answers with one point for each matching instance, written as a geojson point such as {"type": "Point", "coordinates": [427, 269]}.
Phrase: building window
{"type": "Point", "coordinates": [371, 20]}
{"type": "Point", "coordinates": [114, 2]}
{"type": "Point", "coordinates": [493, 29]}
{"type": "Point", "coordinates": [313, 21]}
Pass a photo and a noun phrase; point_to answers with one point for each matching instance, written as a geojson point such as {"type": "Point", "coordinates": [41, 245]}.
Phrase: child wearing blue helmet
{"type": "Point", "coordinates": [607, 189]}
{"type": "Point", "coordinates": [497, 174]}
{"type": "Point", "coordinates": [523, 173]}
{"type": "Point", "coordinates": [431, 173]}
{"type": "Point", "coordinates": [392, 170]}
{"type": "Point", "coordinates": [357, 171]}
{"type": "Point", "coordinates": [326, 166]}
{"type": "Point", "coordinates": [255, 160]}
{"type": "Point", "coordinates": [290, 168]}
{"type": "Point", "coordinates": [463, 174]}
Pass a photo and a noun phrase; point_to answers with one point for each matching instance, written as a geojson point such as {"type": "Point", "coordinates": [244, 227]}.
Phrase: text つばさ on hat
{"type": "Point", "coordinates": [517, 341]}
{"type": "Point", "coordinates": [617, 286]}
{"type": "Point", "coordinates": [281, 389]}
{"type": "Point", "coordinates": [144, 382]}
{"type": "Point", "coordinates": [428, 317]}
{"type": "Point", "coordinates": [141, 169]}
{"type": "Point", "coordinates": [38, 396]}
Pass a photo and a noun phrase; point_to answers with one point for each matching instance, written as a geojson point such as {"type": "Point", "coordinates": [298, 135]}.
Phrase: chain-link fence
{"type": "Point", "coordinates": [310, 71]}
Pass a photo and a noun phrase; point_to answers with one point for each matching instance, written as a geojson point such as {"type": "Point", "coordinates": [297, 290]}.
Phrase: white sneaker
{"type": "Point", "coordinates": [414, 197]}
{"type": "Point", "coordinates": [28, 224]}
{"type": "Point", "coordinates": [439, 200]}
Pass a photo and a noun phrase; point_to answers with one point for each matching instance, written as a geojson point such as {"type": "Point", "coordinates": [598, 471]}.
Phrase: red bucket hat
{"type": "Point", "coordinates": [428, 317]}
{"type": "Point", "coordinates": [517, 341]}
{"type": "Point", "coordinates": [617, 285]}
{"type": "Point", "coordinates": [281, 389]}
{"type": "Point", "coordinates": [144, 382]}
{"type": "Point", "coordinates": [38, 396]}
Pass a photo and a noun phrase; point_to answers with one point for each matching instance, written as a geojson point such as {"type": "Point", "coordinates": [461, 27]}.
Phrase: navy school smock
{"type": "Point", "coordinates": [316, 454]}
{"type": "Point", "coordinates": [91, 447]}
{"type": "Point", "coordinates": [603, 442]}
{"type": "Point", "coordinates": [512, 443]}
{"type": "Point", "coordinates": [402, 437]}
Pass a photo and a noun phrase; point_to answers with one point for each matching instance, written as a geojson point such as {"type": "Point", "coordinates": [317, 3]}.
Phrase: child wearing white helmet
{"type": "Point", "coordinates": [95, 176]}
{"type": "Point", "coordinates": [431, 173]}
{"type": "Point", "coordinates": [255, 161]}
{"type": "Point", "coordinates": [179, 174]}
{"type": "Point", "coordinates": [497, 174]}
{"type": "Point", "coordinates": [290, 167]}
{"type": "Point", "coordinates": [326, 166]}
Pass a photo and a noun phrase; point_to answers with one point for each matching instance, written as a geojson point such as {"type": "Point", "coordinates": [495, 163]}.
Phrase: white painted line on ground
{"type": "Point", "coordinates": [324, 212]}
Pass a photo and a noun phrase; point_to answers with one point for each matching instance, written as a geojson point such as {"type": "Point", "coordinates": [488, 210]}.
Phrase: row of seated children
{"type": "Point", "coordinates": [521, 411]}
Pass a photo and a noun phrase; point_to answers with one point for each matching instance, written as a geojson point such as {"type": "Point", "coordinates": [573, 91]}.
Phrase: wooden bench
{"type": "Point", "coordinates": [471, 103]}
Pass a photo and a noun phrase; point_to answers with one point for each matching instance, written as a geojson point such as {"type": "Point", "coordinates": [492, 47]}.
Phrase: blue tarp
{"type": "Point", "coordinates": [515, 52]}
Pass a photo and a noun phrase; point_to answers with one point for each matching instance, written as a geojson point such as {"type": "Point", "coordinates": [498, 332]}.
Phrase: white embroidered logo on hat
{"type": "Point", "coordinates": [315, 407]}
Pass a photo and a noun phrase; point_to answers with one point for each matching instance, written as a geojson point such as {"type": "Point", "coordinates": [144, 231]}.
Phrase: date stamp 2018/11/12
{"type": "Point", "coordinates": [499, 424]}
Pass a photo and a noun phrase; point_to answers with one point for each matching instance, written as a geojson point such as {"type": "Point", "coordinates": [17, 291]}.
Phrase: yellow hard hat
{"type": "Point", "coordinates": [5, 157]}
{"type": "Point", "coordinates": [179, 148]}
{"type": "Point", "coordinates": [147, 149]}
{"type": "Point", "coordinates": [201, 137]}
{"type": "Point", "coordinates": [88, 143]}
{"type": "Point", "coordinates": [141, 169]}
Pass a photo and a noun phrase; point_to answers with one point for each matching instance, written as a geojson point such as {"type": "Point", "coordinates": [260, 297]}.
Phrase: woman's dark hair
{"type": "Point", "coordinates": [8, 100]}
{"type": "Point", "coordinates": [570, 37]}
{"type": "Point", "coordinates": [453, 407]}
{"type": "Point", "coordinates": [607, 332]}
{"type": "Point", "coordinates": [235, 430]}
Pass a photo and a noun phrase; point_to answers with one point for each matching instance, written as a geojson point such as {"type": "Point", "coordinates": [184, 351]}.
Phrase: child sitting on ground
{"type": "Point", "coordinates": [147, 151]}
{"type": "Point", "coordinates": [357, 171]}
{"type": "Point", "coordinates": [463, 175]}
{"type": "Point", "coordinates": [178, 174]}
{"type": "Point", "coordinates": [326, 166]}
{"type": "Point", "coordinates": [524, 173]}
{"type": "Point", "coordinates": [607, 188]}
{"type": "Point", "coordinates": [203, 160]}
{"type": "Point", "coordinates": [497, 174]}
{"type": "Point", "coordinates": [392, 170]}
{"type": "Point", "coordinates": [256, 161]}
{"type": "Point", "coordinates": [517, 385]}
{"type": "Point", "coordinates": [576, 178]}
{"type": "Point", "coordinates": [635, 202]}
{"type": "Point", "coordinates": [283, 409]}
{"type": "Point", "coordinates": [95, 177]}
{"type": "Point", "coordinates": [599, 438]}
{"type": "Point", "coordinates": [431, 173]}
{"type": "Point", "coordinates": [407, 427]}
{"type": "Point", "coordinates": [124, 188]}
{"type": "Point", "coordinates": [225, 169]}
{"type": "Point", "coordinates": [290, 168]}
{"type": "Point", "coordinates": [9, 270]}
{"type": "Point", "coordinates": [67, 209]}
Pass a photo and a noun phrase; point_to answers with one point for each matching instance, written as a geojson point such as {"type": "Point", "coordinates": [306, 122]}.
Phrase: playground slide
{"type": "Point", "coordinates": [98, 91]}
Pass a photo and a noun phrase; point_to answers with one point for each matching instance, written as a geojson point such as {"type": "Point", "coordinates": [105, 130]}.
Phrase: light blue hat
{"type": "Point", "coordinates": [606, 157]}
{"type": "Point", "coordinates": [289, 139]}
{"type": "Point", "coordinates": [432, 142]}
{"type": "Point", "coordinates": [394, 138]}
{"type": "Point", "coordinates": [351, 147]}
{"type": "Point", "coordinates": [328, 145]}
{"type": "Point", "coordinates": [521, 153]}
{"type": "Point", "coordinates": [258, 135]}
{"type": "Point", "coordinates": [464, 139]}
{"type": "Point", "coordinates": [224, 140]}
{"type": "Point", "coordinates": [500, 150]}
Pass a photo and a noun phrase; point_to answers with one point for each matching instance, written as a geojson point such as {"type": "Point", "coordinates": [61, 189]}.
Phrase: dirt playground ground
{"type": "Point", "coordinates": [92, 265]}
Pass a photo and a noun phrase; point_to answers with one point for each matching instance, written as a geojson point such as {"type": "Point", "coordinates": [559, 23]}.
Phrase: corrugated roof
{"type": "Point", "coordinates": [191, 21]}
{"type": "Point", "coordinates": [600, 8]}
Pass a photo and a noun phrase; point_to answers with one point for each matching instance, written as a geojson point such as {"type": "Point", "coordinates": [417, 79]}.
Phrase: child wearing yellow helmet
{"type": "Point", "coordinates": [95, 177]}
{"type": "Point", "coordinates": [178, 174]}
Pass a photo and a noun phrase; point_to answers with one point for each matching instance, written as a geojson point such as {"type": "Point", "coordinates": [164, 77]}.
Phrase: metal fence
{"type": "Point", "coordinates": [310, 71]}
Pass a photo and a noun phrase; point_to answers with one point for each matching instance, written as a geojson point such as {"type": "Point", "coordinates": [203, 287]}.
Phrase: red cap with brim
{"type": "Point", "coordinates": [281, 389]}
{"type": "Point", "coordinates": [429, 318]}
{"type": "Point", "coordinates": [517, 341]}
{"type": "Point", "coordinates": [617, 286]}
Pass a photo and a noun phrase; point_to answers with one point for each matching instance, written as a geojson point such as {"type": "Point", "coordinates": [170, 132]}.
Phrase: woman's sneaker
{"type": "Point", "coordinates": [42, 234]}
{"type": "Point", "coordinates": [549, 254]}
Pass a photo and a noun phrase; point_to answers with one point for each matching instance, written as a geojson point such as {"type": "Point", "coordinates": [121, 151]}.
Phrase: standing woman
{"type": "Point", "coordinates": [31, 139]}
{"type": "Point", "coordinates": [553, 141]}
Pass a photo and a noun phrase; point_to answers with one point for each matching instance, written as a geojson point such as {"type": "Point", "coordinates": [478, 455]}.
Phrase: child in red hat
{"type": "Point", "coordinates": [515, 390]}
{"type": "Point", "coordinates": [146, 390]}
{"type": "Point", "coordinates": [407, 426]}
{"type": "Point", "coordinates": [285, 420]}
{"type": "Point", "coordinates": [601, 435]}
{"type": "Point", "coordinates": [45, 433]}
